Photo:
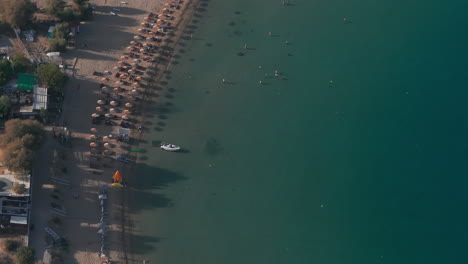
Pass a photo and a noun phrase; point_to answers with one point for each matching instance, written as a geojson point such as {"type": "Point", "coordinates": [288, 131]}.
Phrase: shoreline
{"type": "Point", "coordinates": [85, 172]}
{"type": "Point", "coordinates": [185, 16]}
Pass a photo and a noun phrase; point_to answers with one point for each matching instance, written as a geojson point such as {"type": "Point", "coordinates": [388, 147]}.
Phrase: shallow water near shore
{"type": "Point", "coordinates": [355, 152]}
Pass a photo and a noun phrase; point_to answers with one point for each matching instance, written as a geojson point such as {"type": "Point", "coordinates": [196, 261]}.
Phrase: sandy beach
{"type": "Point", "coordinates": [100, 46]}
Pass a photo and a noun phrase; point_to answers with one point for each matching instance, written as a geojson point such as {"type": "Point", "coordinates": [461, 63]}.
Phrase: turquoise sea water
{"type": "Point", "coordinates": [356, 153]}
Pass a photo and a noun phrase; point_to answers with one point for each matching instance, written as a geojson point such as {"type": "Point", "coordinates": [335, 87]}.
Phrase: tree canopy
{"type": "Point", "coordinates": [62, 30]}
{"type": "Point", "coordinates": [55, 7]}
{"type": "Point", "coordinates": [5, 105]}
{"type": "Point", "coordinates": [21, 63]}
{"type": "Point", "coordinates": [51, 76]}
{"type": "Point", "coordinates": [17, 13]}
{"type": "Point", "coordinates": [18, 143]}
{"type": "Point", "coordinates": [6, 72]}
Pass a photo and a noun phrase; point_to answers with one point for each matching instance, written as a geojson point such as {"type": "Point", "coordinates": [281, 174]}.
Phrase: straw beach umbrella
{"type": "Point", "coordinates": [92, 137]}
{"type": "Point", "coordinates": [125, 117]}
{"type": "Point", "coordinates": [112, 110]}
{"type": "Point", "coordinates": [109, 115]}
{"type": "Point", "coordinates": [107, 145]}
{"type": "Point", "coordinates": [105, 138]}
{"type": "Point", "coordinates": [127, 112]}
{"type": "Point", "coordinates": [95, 115]}
{"type": "Point", "coordinates": [104, 79]}
{"type": "Point", "coordinates": [118, 82]}
{"type": "Point", "coordinates": [128, 105]}
{"type": "Point", "coordinates": [104, 88]}
{"type": "Point", "coordinates": [93, 129]}
{"type": "Point", "coordinates": [99, 109]}
{"type": "Point", "coordinates": [114, 103]}
{"type": "Point", "coordinates": [101, 102]}
{"type": "Point", "coordinates": [93, 144]}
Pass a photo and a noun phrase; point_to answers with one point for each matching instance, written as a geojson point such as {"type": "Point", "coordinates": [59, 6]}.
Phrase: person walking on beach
{"type": "Point", "coordinates": [224, 81]}
{"type": "Point", "coordinates": [245, 46]}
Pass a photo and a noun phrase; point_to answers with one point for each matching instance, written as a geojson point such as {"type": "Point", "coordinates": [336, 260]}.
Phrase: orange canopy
{"type": "Point", "coordinates": [117, 177]}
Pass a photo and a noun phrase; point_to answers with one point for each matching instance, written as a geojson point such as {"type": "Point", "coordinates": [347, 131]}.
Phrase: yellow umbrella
{"type": "Point", "coordinates": [117, 185]}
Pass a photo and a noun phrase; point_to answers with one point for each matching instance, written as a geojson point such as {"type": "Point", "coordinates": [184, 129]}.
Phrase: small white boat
{"type": "Point", "coordinates": [169, 147]}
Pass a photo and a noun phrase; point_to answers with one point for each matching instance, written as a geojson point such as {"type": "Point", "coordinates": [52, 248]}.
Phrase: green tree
{"type": "Point", "coordinates": [54, 7]}
{"type": "Point", "coordinates": [17, 13]}
{"type": "Point", "coordinates": [6, 72]}
{"type": "Point", "coordinates": [61, 31]}
{"type": "Point", "coordinates": [57, 44]}
{"type": "Point", "coordinates": [25, 255]}
{"type": "Point", "coordinates": [51, 76]}
{"type": "Point", "coordinates": [21, 63]}
{"type": "Point", "coordinates": [68, 15]}
{"type": "Point", "coordinates": [5, 105]}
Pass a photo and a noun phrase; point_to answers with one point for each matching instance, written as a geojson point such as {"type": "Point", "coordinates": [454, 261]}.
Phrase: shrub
{"type": "Point", "coordinates": [57, 44]}
{"type": "Point", "coordinates": [11, 245]}
{"type": "Point", "coordinates": [25, 255]}
{"type": "Point", "coordinates": [19, 188]}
